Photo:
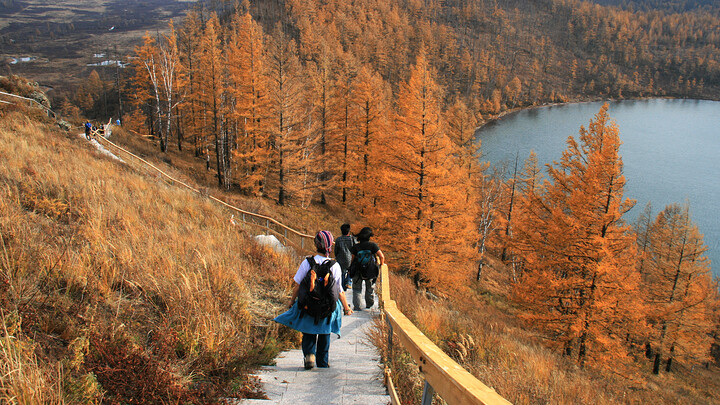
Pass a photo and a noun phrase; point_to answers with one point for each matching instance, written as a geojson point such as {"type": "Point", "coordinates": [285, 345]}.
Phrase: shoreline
{"type": "Point", "coordinates": [507, 113]}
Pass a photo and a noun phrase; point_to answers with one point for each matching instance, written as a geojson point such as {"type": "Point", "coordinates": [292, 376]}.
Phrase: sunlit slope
{"type": "Point", "coordinates": [115, 279]}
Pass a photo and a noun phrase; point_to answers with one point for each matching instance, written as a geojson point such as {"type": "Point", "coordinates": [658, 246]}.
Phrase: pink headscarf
{"type": "Point", "coordinates": [324, 240]}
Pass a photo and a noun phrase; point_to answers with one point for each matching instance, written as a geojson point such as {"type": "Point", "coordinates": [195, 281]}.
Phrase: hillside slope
{"type": "Point", "coordinates": [116, 285]}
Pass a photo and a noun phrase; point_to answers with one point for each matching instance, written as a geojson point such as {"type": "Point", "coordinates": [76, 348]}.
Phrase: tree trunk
{"type": "Point", "coordinates": [668, 365]}
{"type": "Point", "coordinates": [281, 192]}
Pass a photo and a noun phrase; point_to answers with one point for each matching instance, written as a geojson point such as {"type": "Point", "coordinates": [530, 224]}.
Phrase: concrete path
{"type": "Point", "coordinates": [354, 377]}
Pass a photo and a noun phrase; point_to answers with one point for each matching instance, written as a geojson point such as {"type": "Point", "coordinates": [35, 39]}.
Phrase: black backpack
{"type": "Point", "coordinates": [365, 265]}
{"type": "Point", "coordinates": [318, 299]}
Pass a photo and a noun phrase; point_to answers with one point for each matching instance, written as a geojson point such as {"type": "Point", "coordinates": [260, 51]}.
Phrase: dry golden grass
{"type": "Point", "coordinates": [193, 169]}
{"type": "Point", "coordinates": [141, 271]}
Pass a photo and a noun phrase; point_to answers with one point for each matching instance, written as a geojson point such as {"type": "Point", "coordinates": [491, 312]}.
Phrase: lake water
{"type": "Point", "coordinates": [671, 152]}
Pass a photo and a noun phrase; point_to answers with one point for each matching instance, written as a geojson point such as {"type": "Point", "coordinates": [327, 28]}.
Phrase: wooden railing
{"type": "Point", "coordinates": [30, 101]}
{"type": "Point", "coordinates": [442, 374]}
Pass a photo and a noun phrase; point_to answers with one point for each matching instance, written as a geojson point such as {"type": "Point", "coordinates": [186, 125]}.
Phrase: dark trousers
{"type": "Point", "coordinates": [319, 345]}
{"type": "Point", "coordinates": [357, 293]}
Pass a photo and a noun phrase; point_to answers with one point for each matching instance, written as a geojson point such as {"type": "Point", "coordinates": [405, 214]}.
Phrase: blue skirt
{"type": "Point", "coordinates": [306, 323]}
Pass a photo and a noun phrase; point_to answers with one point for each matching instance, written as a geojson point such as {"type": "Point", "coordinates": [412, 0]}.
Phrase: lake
{"type": "Point", "coordinates": [670, 151]}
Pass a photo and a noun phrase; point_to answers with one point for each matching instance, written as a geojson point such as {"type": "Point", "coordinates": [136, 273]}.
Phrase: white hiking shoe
{"type": "Point", "coordinates": [309, 361]}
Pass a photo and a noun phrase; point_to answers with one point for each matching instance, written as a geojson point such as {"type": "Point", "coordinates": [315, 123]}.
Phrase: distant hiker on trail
{"type": "Point", "coordinates": [365, 268]}
{"type": "Point", "coordinates": [316, 313]}
{"type": "Point", "coordinates": [343, 255]}
{"type": "Point", "coordinates": [88, 127]}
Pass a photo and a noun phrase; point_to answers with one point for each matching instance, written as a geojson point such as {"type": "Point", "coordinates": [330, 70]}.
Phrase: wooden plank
{"type": "Point", "coordinates": [394, 399]}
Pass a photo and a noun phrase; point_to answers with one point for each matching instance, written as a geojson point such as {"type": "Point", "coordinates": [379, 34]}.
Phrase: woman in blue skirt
{"type": "Point", "coordinates": [316, 332]}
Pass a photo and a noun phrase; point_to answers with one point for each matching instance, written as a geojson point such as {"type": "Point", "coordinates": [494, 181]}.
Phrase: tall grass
{"type": "Point", "coordinates": [112, 272]}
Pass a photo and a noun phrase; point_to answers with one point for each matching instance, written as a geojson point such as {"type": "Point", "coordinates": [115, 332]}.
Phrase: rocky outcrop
{"type": "Point", "coordinates": [40, 97]}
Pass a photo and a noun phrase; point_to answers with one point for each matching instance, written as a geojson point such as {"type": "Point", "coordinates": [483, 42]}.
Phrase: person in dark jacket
{"type": "Point", "coordinates": [88, 127]}
{"type": "Point", "coordinates": [343, 244]}
{"type": "Point", "coordinates": [357, 282]}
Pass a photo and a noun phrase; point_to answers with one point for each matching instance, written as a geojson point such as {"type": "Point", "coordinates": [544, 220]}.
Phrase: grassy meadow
{"type": "Point", "coordinates": [115, 285]}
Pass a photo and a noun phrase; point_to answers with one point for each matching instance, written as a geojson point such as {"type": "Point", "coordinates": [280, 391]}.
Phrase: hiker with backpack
{"type": "Point", "coordinates": [314, 308]}
{"type": "Point", "coordinates": [365, 268]}
{"type": "Point", "coordinates": [88, 127]}
{"type": "Point", "coordinates": [343, 256]}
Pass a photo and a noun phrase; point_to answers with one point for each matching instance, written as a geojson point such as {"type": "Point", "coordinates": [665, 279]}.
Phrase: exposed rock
{"type": "Point", "coordinates": [40, 97]}
{"type": "Point", "coordinates": [64, 125]}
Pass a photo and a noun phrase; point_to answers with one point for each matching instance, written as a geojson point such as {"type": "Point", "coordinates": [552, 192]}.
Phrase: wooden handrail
{"type": "Point", "coordinates": [46, 108]}
{"type": "Point", "coordinates": [450, 380]}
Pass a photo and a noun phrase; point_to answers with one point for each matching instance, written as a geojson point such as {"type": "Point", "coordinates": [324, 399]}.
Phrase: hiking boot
{"type": "Point", "coordinates": [309, 361]}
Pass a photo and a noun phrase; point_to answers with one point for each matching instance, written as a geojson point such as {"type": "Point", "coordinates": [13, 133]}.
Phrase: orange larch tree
{"type": "Point", "coordinates": [525, 187]}
{"type": "Point", "coordinates": [323, 124]}
{"type": "Point", "coordinates": [189, 36]}
{"type": "Point", "coordinates": [289, 134]}
{"type": "Point", "coordinates": [579, 283]}
{"type": "Point", "coordinates": [367, 142]}
{"type": "Point", "coordinates": [679, 289]}
{"type": "Point", "coordinates": [343, 135]}
{"type": "Point", "coordinates": [147, 81]}
{"type": "Point", "coordinates": [423, 200]}
{"type": "Point", "coordinates": [483, 189]}
{"type": "Point", "coordinates": [210, 93]}
{"type": "Point", "coordinates": [248, 75]}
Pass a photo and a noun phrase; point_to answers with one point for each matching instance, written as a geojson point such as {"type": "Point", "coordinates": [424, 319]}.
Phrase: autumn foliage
{"type": "Point", "coordinates": [337, 105]}
{"type": "Point", "coordinates": [579, 276]}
